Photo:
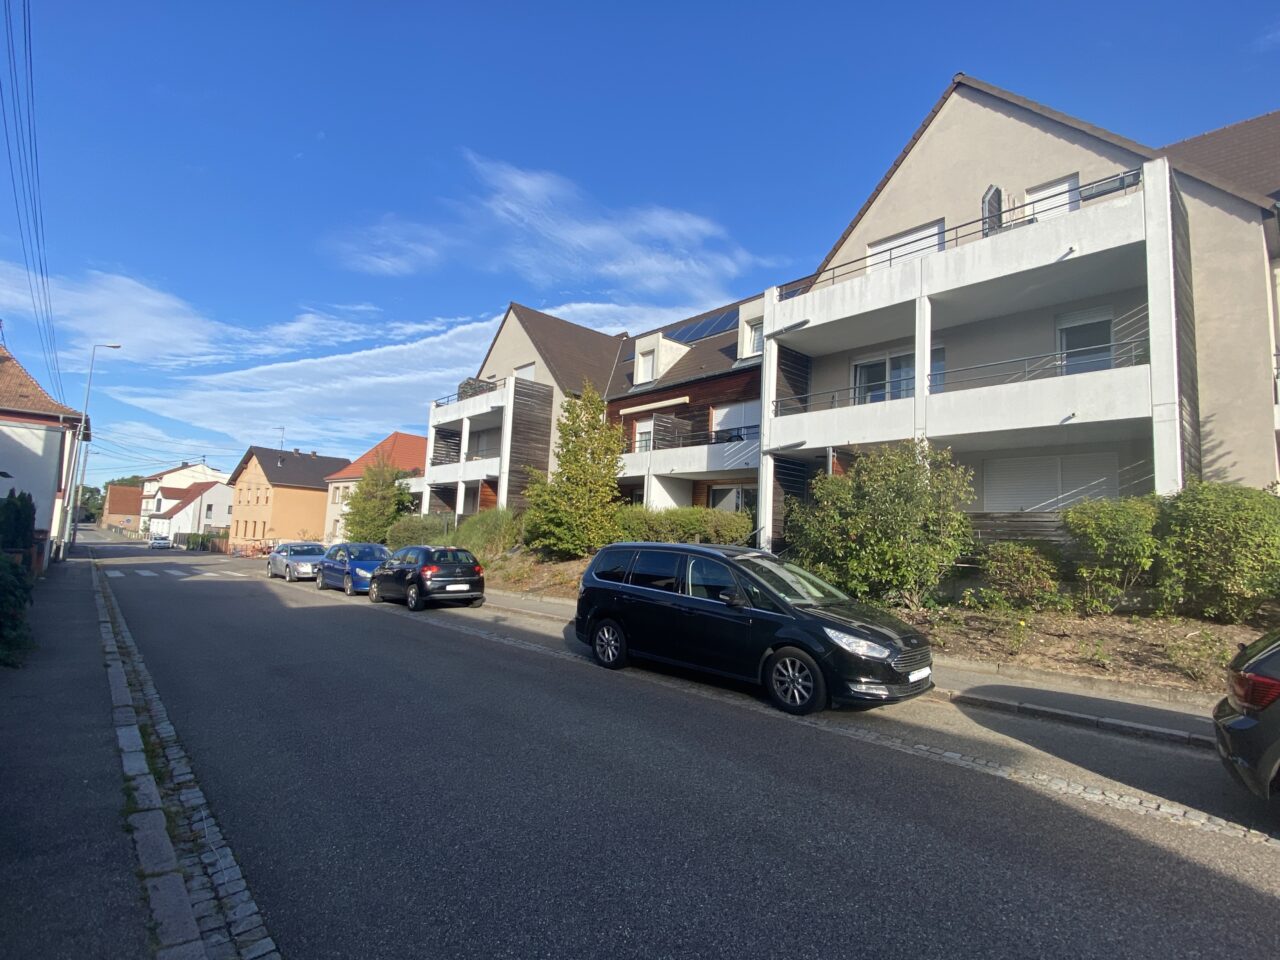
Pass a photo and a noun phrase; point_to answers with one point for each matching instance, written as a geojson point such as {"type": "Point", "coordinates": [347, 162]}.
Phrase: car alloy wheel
{"type": "Point", "coordinates": [270, 574]}
{"type": "Point", "coordinates": [375, 596]}
{"type": "Point", "coordinates": [609, 645]}
{"type": "Point", "coordinates": [413, 597]}
{"type": "Point", "coordinates": [319, 579]}
{"type": "Point", "coordinates": [795, 682]}
{"type": "Point", "coordinates": [288, 575]}
{"type": "Point", "coordinates": [348, 586]}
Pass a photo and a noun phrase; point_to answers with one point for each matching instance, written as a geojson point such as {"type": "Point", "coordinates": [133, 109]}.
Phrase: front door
{"type": "Point", "coordinates": [712, 634]}
{"type": "Point", "coordinates": [651, 604]}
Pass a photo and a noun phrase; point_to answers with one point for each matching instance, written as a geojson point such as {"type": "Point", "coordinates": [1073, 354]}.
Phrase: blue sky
{"type": "Point", "coordinates": [310, 215]}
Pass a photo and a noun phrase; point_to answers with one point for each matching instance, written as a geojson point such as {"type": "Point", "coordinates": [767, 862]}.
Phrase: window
{"type": "Point", "coordinates": [992, 211]}
{"type": "Point", "coordinates": [893, 377]}
{"type": "Point", "coordinates": [1053, 199]}
{"type": "Point", "coordinates": [910, 245]}
{"type": "Point", "coordinates": [1084, 341]}
{"type": "Point", "coordinates": [257, 495]}
{"type": "Point", "coordinates": [208, 512]}
{"type": "Point", "coordinates": [526, 371]}
{"type": "Point", "coordinates": [237, 528]}
{"type": "Point", "coordinates": [709, 579]}
{"type": "Point", "coordinates": [266, 496]}
{"type": "Point", "coordinates": [333, 553]}
{"type": "Point", "coordinates": [758, 599]}
{"type": "Point", "coordinates": [228, 510]}
{"type": "Point", "coordinates": [737, 499]}
{"type": "Point", "coordinates": [755, 338]}
{"type": "Point", "coordinates": [337, 492]}
{"type": "Point", "coordinates": [868, 382]}
{"type": "Point", "coordinates": [644, 367]}
{"type": "Point", "coordinates": [644, 435]}
{"type": "Point", "coordinates": [1013, 484]}
{"type": "Point", "coordinates": [735, 421]}
{"type": "Point", "coordinates": [656, 570]}
{"type": "Point", "coordinates": [611, 565]}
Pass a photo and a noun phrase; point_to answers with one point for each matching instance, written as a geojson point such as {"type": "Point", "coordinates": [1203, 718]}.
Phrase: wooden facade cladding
{"type": "Point", "coordinates": [443, 499]}
{"type": "Point", "coordinates": [790, 479]}
{"type": "Point", "coordinates": [488, 498]}
{"type": "Point", "coordinates": [447, 447]}
{"type": "Point", "coordinates": [530, 439]}
{"type": "Point", "coordinates": [793, 379]}
{"type": "Point", "coordinates": [691, 417]}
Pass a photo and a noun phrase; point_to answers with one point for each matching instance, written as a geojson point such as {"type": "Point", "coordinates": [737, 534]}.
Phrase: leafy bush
{"type": "Point", "coordinates": [489, 532]}
{"type": "Point", "coordinates": [890, 528]}
{"type": "Point", "coordinates": [15, 594]}
{"type": "Point", "coordinates": [573, 512]}
{"type": "Point", "coordinates": [415, 528]}
{"type": "Point", "coordinates": [1220, 550]}
{"type": "Point", "coordinates": [1021, 576]}
{"type": "Point", "coordinates": [683, 525]}
{"type": "Point", "coordinates": [1115, 545]}
{"type": "Point", "coordinates": [377, 501]}
{"type": "Point", "coordinates": [17, 520]}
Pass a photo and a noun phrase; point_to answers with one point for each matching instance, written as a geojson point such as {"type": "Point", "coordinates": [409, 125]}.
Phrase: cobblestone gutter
{"type": "Point", "coordinates": [201, 907]}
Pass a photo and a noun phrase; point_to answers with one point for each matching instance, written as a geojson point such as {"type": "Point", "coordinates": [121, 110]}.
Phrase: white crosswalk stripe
{"type": "Point", "coordinates": [114, 573]}
{"type": "Point", "coordinates": [176, 573]}
{"type": "Point", "coordinates": [232, 573]}
{"type": "Point", "coordinates": [147, 573]}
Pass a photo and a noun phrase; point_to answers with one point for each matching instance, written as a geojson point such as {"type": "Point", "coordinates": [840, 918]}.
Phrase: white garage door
{"type": "Point", "coordinates": [1013, 484]}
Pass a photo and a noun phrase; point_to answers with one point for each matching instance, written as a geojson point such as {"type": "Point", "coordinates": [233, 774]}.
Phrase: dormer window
{"type": "Point", "coordinates": [644, 367]}
{"type": "Point", "coordinates": [755, 338]}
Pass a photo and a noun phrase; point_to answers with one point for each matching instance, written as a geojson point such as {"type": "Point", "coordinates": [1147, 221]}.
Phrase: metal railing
{"type": "Point", "coordinates": [1108, 356]}
{"type": "Point", "coordinates": [477, 388]}
{"type": "Point", "coordinates": [699, 438]}
{"type": "Point", "coordinates": [1008, 219]}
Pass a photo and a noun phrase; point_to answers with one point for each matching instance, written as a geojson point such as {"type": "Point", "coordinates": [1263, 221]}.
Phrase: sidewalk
{"type": "Point", "coordinates": [68, 886]}
{"type": "Point", "coordinates": [1156, 712]}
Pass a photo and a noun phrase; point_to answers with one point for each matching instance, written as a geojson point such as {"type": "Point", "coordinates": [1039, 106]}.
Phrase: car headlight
{"type": "Point", "coordinates": [361, 573]}
{"type": "Point", "coordinates": [856, 645]}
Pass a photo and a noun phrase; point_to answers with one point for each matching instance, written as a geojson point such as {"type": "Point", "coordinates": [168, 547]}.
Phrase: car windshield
{"type": "Point", "coordinates": [307, 550]}
{"type": "Point", "coordinates": [790, 582]}
{"type": "Point", "coordinates": [369, 551]}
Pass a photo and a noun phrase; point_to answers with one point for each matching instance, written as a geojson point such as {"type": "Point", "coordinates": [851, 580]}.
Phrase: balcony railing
{"type": "Point", "coordinates": [1107, 356]}
{"type": "Point", "coordinates": [1007, 219]}
{"type": "Point", "coordinates": [469, 389]}
{"type": "Point", "coordinates": [699, 438]}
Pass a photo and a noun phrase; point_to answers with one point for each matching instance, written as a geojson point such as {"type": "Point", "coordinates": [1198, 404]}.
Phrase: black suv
{"type": "Point", "coordinates": [1248, 720]}
{"type": "Point", "coordinates": [744, 613]}
{"type": "Point", "coordinates": [418, 574]}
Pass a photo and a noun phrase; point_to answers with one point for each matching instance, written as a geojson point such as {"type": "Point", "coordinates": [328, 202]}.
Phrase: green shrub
{"type": "Point", "coordinates": [1019, 575]}
{"type": "Point", "coordinates": [489, 533]}
{"type": "Point", "coordinates": [1220, 550]}
{"type": "Point", "coordinates": [416, 528]}
{"type": "Point", "coordinates": [683, 525]}
{"type": "Point", "coordinates": [1114, 544]}
{"type": "Point", "coordinates": [377, 501]}
{"type": "Point", "coordinates": [15, 594]}
{"type": "Point", "coordinates": [890, 528]}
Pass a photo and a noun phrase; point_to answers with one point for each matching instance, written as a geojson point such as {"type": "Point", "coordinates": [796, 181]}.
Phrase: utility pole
{"type": "Point", "coordinates": [75, 516]}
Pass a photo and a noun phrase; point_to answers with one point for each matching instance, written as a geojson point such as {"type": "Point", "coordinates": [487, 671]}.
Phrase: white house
{"type": "Point", "coordinates": [200, 508]}
{"type": "Point", "coordinates": [160, 491]}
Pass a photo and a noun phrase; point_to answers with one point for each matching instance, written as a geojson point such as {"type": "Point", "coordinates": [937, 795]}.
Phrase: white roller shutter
{"type": "Point", "coordinates": [1014, 484]}
{"type": "Point", "coordinates": [907, 246]}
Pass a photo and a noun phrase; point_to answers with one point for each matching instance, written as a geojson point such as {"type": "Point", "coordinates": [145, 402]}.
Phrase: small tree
{"type": "Point", "coordinates": [378, 499]}
{"type": "Point", "coordinates": [17, 520]}
{"type": "Point", "coordinates": [91, 501]}
{"type": "Point", "coordinates": [890, 528]}
{"type": "Point", "coordinates": [574, 512]}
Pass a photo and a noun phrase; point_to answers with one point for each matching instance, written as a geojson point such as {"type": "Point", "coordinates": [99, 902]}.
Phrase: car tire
{"type": "Point", "coordinates": [794, 682]}
{"type": "Point", "coordinates": [288, 575]}
{"type": "Point", "coordinates": [348, 586]}
{"type": "Point", "coordinates": [413, 597]}
{"type": "Point", "coordinates": [476, 602]}
{"type": "Point", "coordinates": [270, 575]}
{"type": "Point", "coordinates": [375, 596]}
{"type": "Point", "coordinates": [319, 580]}
{"type": "Point", "coordinates": [609, 644]}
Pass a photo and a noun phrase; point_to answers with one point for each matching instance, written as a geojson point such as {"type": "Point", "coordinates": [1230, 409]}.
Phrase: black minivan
{"type": "Point", "coordinates": [744, 613]}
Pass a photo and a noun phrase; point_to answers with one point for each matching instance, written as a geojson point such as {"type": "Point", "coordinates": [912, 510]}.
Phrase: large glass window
{"type": "Point", "coordinates": [869, 382]}
{"type": "Point", "coordinates": [796, 585]}
{"type": "Point", "coordinates": [709, 579]}
{"type": "Point", "coordinates": [656, 569]}
{"type": "Point", "coordinates": [612, 565]}
{"type": "Point", "coordinates": [1085, 344]}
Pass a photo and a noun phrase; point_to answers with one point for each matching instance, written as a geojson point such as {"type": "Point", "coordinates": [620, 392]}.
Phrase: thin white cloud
{"type": "Point", "coordinates": [544, 228]}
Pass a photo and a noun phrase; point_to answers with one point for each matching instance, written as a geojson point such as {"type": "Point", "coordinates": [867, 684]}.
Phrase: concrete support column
{"type": "Point", "coordinates": [768, 393]}
{"type": "Point", "coordinates": [1166, 423]}
{"type": "Point", "coordinates": [504, 455]}
{"type": "Point", "coordinates": [464, 440]}
{"type": "Point", "coordinates": [924, 353]}
{"type": "Point", "coordinates": [426, 467]}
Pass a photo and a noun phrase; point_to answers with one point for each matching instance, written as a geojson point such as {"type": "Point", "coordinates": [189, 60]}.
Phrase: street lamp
{"type": "Point", "coordinates": [68, 521]}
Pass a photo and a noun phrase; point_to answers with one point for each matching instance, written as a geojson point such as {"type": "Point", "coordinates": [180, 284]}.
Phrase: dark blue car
{"type": "Point", "coordinates": [350, 566]}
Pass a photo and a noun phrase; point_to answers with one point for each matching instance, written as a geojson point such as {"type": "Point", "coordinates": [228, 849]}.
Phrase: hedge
{"type": "Point", "coordinates": [15, 595]}
{"type": "Point", "coordinates": [417, 529]}
{"type": "Point", "coordinates": [1114, 545]}
{"type": "Point", "coordinates": [684, 525]}
{"type": "Point", "coordinates": [490, 533]}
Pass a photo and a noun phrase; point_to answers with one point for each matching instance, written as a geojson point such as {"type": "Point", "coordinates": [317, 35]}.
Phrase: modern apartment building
{"type": "Point", "coordinates": [1072, 313]}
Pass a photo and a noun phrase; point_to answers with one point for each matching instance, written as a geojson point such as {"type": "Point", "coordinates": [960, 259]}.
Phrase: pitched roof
{"type": "Point", "coordinates": [187, 497]}
{"type": "Point", "coordinates": [1247, 153]}
{"type": "Point", "coordinates": [285, 468]}
{"type": "Point", "coordinates": [574, 354]}
{"type": "Point", "coordinates": [20, 393]}
{"type": "Point", "coordinates": [168, 470]}
{"type": "Point", "coordinates": [123, 500]}
{"type": "Point", "coordinates": [705, 358]}
{"type": "Point", "coordinates": [404, 451]}
{"type": "Point", "coordinates": [170, 493]}
{"type": "Point", "coordinates": [1188, 166]}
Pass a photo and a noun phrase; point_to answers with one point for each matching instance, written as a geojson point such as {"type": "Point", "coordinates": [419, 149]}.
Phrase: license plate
{"type": "Point", "coordinates": [920, 674]}
{"type": "Point", "coordinates": [458, 586]}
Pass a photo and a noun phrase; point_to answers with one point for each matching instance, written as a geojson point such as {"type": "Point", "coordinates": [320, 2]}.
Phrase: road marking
{"type": "Point", "coordinates": [147, 573]}
{"type": "Point", "coordinates": [176, 573]}
{"type": "Point", "coordinates": [114, 573]}
{"type": "Point", "coordinates": [232, 573]}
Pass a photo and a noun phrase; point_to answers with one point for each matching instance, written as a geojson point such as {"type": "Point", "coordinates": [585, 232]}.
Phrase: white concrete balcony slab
{"type": "Point", "coordinates": [442, 473]}
{"type": "Point", "coordinates": [485, 468]}
{"type": "Point", "coordinates": [845, 425]}
{"type": "Point", "coordinates": [449, 412]}
{"type": "Point", "coordinates": [688, 461]}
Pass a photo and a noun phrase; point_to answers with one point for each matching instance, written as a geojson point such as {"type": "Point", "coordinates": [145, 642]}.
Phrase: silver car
{"type": "Point", "coordinates": [295, 561]}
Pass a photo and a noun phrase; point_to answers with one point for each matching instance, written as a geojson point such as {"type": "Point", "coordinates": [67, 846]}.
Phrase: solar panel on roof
{"type": "Point", "coordinates": [708, 326]}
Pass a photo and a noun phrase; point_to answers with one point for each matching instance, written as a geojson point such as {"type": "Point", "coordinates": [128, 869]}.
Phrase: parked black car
{"type": "Point", "coordinates": [1248, 719]}
{"type": "Point", "coordinates": [418, 574]}
{"type": "Point", "coordinates": [744, 613]}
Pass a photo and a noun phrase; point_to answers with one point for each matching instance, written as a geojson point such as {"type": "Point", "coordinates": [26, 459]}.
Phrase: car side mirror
{"type": "Point", "coordinates": [733, 598]}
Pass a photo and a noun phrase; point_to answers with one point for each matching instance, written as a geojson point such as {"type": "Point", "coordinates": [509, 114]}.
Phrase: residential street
{"type": "Point", "coordinates": [466, 783]}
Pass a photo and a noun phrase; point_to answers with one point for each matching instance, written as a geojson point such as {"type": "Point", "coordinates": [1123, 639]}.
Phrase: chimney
{"type": "Point", "coordinates": [296, 452]}
{"type": "Point", "coordinates": [185, 464]}
{"type": "Point", "coordinates": [313, 454]}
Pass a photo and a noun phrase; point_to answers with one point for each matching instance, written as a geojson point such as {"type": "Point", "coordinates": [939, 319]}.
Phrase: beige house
{"type": "Point", "coordinates": [279, 495]}
{"type": "Point", "coordinates": [406, 452]}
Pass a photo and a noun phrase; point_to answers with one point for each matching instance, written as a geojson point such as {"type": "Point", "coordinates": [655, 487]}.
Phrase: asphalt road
{"type": "Point", "coordinates": [463, 783]}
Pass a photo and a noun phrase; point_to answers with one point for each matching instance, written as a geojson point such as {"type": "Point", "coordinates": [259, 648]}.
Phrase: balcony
{"type": "Point", "coordinates": [696, 452]}
{"type": "Point", "coordinates": [474, 399]}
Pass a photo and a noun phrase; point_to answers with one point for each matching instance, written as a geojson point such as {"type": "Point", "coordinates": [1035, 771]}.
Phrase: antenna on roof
{"type": "Point", "coordinates": [2, 343]}
{"type": "Point", "coordinates": [281, 429]}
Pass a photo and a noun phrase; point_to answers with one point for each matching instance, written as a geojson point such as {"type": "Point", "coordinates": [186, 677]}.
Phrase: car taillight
{"type": "Point", "coordinates": [479, 570]}
{"type": "Point", "coordinates": [1253, 690]}
{"type": "Point", "coordinates": [430, 569]}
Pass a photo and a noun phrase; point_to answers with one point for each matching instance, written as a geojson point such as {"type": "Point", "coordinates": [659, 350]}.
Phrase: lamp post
{"type": "Point", "coordinates": [69, 520]}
